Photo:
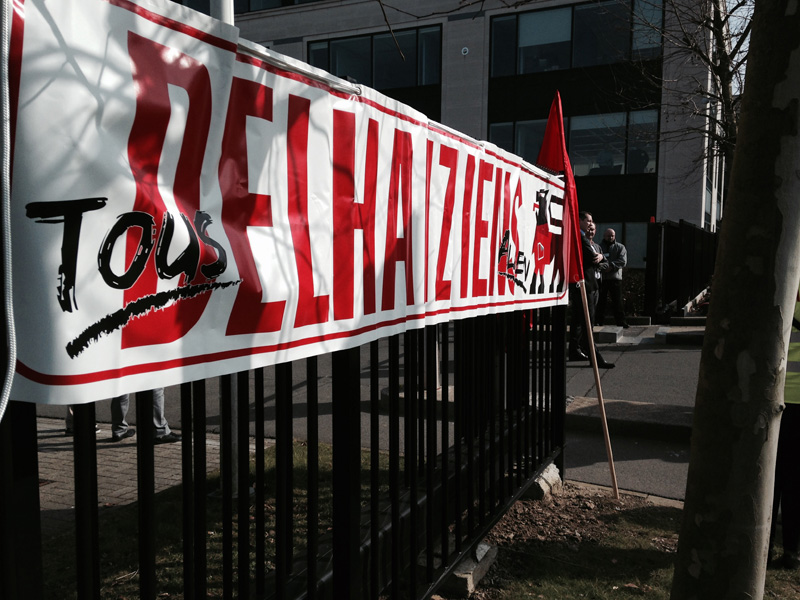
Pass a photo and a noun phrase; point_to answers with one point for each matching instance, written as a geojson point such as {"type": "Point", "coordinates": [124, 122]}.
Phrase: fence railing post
{"type": "Point", "coordinates": [146, 493]}
{"type": "Point", "coordinates": [86, 519]}
{"type": "Point", "coordinates": [346, 474]}
{"type": "Point", "coordinates": [20, 526]}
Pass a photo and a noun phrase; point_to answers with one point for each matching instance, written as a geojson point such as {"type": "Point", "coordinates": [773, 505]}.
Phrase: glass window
{"type": "Point", "coordinates": [430, 56]}
{"type": "Point", "coordinates": [351, 58]}
{"type": "Point", "coordinates": [203, 6]}
{"type": "Point", "coordinates": [262, 4]}
{"type": "Point", "coordinates": [647, 26]}
{"type": "Point", "coordinates": [502, 135]}
{"type": "Point", "coordinates": [602, 33]}
{"type": "Point", "coordinates": [504, 46]}
{"type": "Point", "coordinates": [597, 144]}
{"type": "Point", "coordinates": [528, 139]}
{"type": "Point", "coordinates": [391, 69]}
{"type": "Point", "coordinates": [544, 40]}
{"type": "Point", "coordinates": [243, 6]}
{"type": "Point", "coordinates": [642, 138]}
{"type": "Point", "coordinates": [635, 240]}
{"type": "Point", "coordinates": [318, 55]}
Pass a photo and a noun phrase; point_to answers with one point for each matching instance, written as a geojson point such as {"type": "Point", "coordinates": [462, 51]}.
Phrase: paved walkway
{"type": "Point", "coordinates": [116, 471]}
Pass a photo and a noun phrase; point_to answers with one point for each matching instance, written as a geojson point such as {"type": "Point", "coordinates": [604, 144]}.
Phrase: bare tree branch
{"type": "Point", "coordinates": [389, 25]}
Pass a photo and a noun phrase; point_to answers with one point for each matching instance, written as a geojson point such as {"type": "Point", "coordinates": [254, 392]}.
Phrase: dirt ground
{"type": "Point", "coordinates": [573, 517]}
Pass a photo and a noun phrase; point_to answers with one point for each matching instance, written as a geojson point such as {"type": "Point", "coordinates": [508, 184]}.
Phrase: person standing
{"type": "Point", "coordinates": [579, 336]}
{"type": "Point", "coordinates": [787, 485]}
{"type": "Point", "coordinates": [119, 425]}
{"type": "Point", "coordinates": [617, 258]}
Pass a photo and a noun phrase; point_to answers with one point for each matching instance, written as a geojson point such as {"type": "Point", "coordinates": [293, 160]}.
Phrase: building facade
{"type": "Point", "coordinates": [491, 72]}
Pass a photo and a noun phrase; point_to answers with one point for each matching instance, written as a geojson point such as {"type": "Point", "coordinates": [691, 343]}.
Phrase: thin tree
{"type": "Point", "coordinates": [722, 551]}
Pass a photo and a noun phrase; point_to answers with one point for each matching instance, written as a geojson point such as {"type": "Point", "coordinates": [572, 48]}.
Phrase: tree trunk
{"type": "Point", "coordinates": [725, 532]}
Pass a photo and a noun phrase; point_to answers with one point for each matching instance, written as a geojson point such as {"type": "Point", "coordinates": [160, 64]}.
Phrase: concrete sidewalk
{"type": "Point", "coordinates": [649, 401]}
{"type": "Point", "coordinates": [650, 392]}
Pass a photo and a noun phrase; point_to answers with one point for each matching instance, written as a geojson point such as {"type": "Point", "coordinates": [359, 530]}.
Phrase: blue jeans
{"type": "Point", "coordinates": [119, 412]}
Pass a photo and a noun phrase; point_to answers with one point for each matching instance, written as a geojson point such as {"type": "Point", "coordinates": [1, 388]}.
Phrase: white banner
{"type": "Point", "coordinates": [183, 207]}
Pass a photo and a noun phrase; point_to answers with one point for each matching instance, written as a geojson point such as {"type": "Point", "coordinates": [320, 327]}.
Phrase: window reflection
{"type": "Point", "coordinates": [597, 144]}
{"type": "Point", "coordinates": [430, 56]}
{"type": "Point", "coordinates": [642, 138]}
{"type": "Point", "coordinates": [376, 60]}
{"type": "Point", "coordinates": [391, 69]}
{"type": "Point", "coordinates": [602, 33]}
{"type": "Point", "coordinates": [599, 33]}
{"type": "Point", "coordinates": [504, 46]}
{"type": "Point", "coordinates": [529, 136]}
{"type": "Point", "coordinates": [502, 135]}
{"type": "Point", "coordinates": [347, 59]}
{"type": "Point", "coordinates": [647, 25]}
{"type": "Point", "coordinates": [544, 40]}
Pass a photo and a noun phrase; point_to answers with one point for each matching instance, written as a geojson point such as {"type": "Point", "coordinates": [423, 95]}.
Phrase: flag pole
{"type": "Point", "coordinates": [593, 359]}
{"type": "Point", "coordinates": [553, 155]}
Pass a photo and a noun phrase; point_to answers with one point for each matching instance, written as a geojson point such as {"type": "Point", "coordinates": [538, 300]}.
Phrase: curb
{"type": "Point", "coordinates": [681, 336]}
{"type": "Point", "coordinates": [604, 489]}
{"type": "Point", "coordinates": [630, 418]}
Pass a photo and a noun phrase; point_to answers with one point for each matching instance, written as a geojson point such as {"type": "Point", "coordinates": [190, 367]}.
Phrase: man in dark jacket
{"type": "Point", "coordinates": [591, 261]}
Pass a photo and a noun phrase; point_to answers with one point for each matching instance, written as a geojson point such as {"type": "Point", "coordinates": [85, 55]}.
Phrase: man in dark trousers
{"type": "Point", "coordinates": [591, 261]}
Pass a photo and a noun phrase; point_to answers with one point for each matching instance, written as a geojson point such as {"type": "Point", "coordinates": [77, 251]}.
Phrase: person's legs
{"type": "Point", "coordinates": [68, 421]}
{"type": "Point", "coordinates": [119, 413]}
{"type": "Point", "coordinates": [159, 420]}
{"type": "Point", "coordinates": [576, 323]}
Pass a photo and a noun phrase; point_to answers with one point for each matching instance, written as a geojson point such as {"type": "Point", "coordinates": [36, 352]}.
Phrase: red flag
{"type": "Point", "coordinates": [553, 156]}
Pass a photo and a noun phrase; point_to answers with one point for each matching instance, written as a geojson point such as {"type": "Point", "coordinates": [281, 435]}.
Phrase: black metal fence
{"type": "Point", "coordinates": [424, 463]}
{"type": "Point", "coordinates": [680, 264]}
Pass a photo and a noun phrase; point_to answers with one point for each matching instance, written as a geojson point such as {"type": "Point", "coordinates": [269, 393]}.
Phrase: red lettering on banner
{"type": "Point", "coordinates": [503, 266]}
{"type": "Point", "coordinates": [516, 205]}
{"type": "Point", "coordinates": [349, 215]}
{"type": "Point", "coordinates": [399, 248]}
{"type": "Point", "coordinates": [241, 209]}
{"type": "Point", "coordinates": [466, 223]}
{"type": "Point", "coordinates": [494, 247]}
{"type": "Point", "coordinates": [448, 157]}
{"type": "Point", "coordinates": [481, 231]}
{"type": "Point", "coordinates": [428, 160]}
{"type": "Point", "coordinates": [311, 309]}
{"type": "Point", "coordinates": [492, 258]}
{"type": "Point", "coordinates": [155, 67]}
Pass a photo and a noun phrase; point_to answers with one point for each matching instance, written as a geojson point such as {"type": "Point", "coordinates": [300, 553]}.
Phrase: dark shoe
{"type": "Point", "coordinates": [128, 433]}
{"type": "Point", "coordinates": [625, 326]}
{"type": "Point", "coordinates": [577, 355]}
{"type": "Point", "coordinates": [167, 439]}
{"type": "Point", "coordinates": [604, 365]}
{"type": "Point", "coordinates": [69, 432]}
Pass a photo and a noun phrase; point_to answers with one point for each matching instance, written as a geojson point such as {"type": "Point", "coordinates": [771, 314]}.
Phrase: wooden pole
{"type": "Point", "coordinates": [593, 359]}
